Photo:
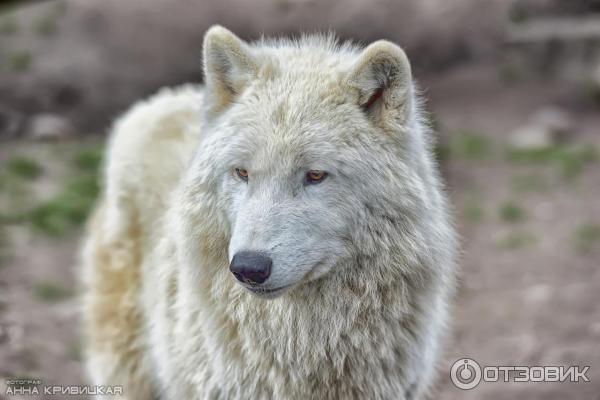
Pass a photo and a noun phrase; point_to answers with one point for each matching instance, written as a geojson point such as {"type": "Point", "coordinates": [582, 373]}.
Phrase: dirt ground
{"type": "Point", "coordinates": [529, 291]}
{"type": "Point", "coordinates": [531, 246]}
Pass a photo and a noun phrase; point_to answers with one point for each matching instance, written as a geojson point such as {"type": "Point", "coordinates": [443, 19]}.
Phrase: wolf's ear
{"type": "Point", "coordinates": [383, 82]}
{"type": "Point", "coordinates": [228, 67]}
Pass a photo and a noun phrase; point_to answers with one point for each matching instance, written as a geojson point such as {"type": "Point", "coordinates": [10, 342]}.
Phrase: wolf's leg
{"type": "Point", "coordinates": [113, 320]}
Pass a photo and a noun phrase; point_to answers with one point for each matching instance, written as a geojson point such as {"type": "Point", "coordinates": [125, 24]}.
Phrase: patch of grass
{"type": "Point", "coordinates": [587, 236]}
{"type": "Point", "coordinates": [16, 195]}
{"type": "Point", "coordinates": [534, 156]}
{"type": "Point", "coordinates": [68, 209]}
{"type": "Point", "coordinates": [65, 210]}
{"type": "Point", "coordinates": [470, 146]}
{"type": "Point", "coordinates": [530, 183]}
{"type": "Point", "coordinates": [517, 240]}
{"type": "Point", "coordinates": [4, 247]}
{"type": "Point", "coordinates": [50, 292]}
{"type": "Point", "coordinates": [15, 191]}
{"type": "Point", "coordinates": [19, 61]}
{"type": "Point", "coordinates": [89, 159]}
{"type": "Point", "coordinates": [24, 168]}
{"type": "Point", "coordinates": [9, 25]}
{"type": "Point", "coordinates": [511, 212]}
{"type": "Point", "coordinates": [570, 160]}
{"type": "Point", "coordinates": [84, 186]}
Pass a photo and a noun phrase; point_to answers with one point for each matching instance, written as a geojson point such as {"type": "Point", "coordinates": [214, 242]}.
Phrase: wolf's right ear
{"type": "Point", "coordinates": [382, 80]}
{"type": "Point", "coordinates": [228, 67]}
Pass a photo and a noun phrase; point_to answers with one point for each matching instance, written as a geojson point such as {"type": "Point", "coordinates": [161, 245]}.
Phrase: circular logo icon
{"type": "Point", "coordinates": [465, 373]}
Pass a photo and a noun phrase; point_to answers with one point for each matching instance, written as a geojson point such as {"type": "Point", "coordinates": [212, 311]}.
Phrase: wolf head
{"type": "Point", "coordinates": [307, 162]}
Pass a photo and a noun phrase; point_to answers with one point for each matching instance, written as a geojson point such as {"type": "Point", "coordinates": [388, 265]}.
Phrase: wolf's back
{"type": "Point", "coordinates": [148, 150]}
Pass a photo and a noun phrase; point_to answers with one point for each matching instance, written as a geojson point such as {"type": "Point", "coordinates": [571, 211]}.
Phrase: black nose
{"type": "Point", "coordinates": [251, 267]}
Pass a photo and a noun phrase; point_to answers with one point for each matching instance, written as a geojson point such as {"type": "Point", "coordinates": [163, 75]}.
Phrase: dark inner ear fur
{"type": "Point", "coordinates": [374, 97]}
{"type": "Point", "coordinates": [385, 75]}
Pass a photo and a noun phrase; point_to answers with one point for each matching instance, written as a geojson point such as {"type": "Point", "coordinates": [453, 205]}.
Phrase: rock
{"type": "Point", "coordinates": [530, 137]}
{"type": "Point", "coordinates": [555, 119]}
{"type": "Point", "coordinates": [49, 127]}
{"type": "Point", "coordinates": [546, 127]}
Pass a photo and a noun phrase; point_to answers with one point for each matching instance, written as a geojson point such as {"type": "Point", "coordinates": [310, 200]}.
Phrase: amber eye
{"type": "Point", "coordinates": [313, 177]}
{"type": "Point", "coordinates": [242, 173]}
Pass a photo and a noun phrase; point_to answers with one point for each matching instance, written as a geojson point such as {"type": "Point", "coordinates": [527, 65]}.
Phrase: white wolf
{"type": "Point", "coordinates": [281, 233]}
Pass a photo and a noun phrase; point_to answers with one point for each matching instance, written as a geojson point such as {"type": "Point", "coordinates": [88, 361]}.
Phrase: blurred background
{"type": "Point", "coordinates": [513, 90]}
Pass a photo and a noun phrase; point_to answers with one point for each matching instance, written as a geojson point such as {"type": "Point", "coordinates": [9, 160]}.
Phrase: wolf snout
{"type": "Point", "coordinates": [251, 267]}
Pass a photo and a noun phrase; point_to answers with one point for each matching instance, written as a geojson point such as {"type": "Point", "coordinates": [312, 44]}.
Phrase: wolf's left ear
{"type": "Point", "coordinates": [228, 67]}
{"type": "Point", "coordinates": [383, 82]}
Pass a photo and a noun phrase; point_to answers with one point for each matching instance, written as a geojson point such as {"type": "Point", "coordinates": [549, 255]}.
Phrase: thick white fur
{"type": "Point", "coordinates": [368, 303]}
